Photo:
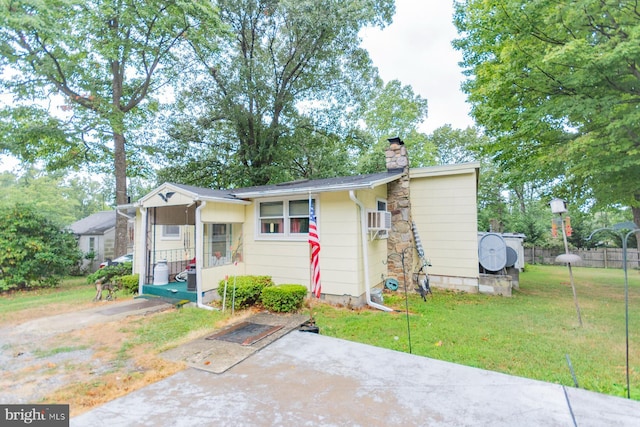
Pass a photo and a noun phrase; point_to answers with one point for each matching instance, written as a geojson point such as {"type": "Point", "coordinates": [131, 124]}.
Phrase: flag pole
{"type": "Point", "coordinates": [310, 249]}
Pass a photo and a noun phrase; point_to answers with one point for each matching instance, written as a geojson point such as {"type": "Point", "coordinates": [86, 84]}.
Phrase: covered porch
{"type": "Point", "coordinates": [181, 226]}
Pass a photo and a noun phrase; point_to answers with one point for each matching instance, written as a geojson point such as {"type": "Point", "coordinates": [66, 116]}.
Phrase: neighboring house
{"type": "Point", "coordinates": [96, 233]}
{"type": "Point", "coordinates": [364, 226]}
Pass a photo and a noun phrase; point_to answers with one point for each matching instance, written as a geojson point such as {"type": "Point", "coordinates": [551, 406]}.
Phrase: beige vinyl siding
{"type": "Point", "coordinates": [444, 210]}
{"type": "Point", "coordinates": [288, 261]}
{"type": "Point", "coordinates": [174, 244]}
{"type": "Point", "coordinates": [223, 213]}
{"type": "Point", "coordinates": [338, 231]}
{"type": "Point", "coordinates": [284, 261]}
{"type": "Point", "coordinates": [377, 248]}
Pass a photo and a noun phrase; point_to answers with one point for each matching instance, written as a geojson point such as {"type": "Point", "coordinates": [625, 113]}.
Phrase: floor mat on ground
{"type": "Point", "coordinates": [245, 333]}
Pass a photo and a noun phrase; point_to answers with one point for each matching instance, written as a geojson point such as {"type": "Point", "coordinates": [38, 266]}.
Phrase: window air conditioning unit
{"type": "Point", "coordinates": [378, 224]}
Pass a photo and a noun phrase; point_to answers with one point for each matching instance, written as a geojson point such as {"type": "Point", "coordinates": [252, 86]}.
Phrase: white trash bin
{"type": "Point", "coordinates": [161, 273]}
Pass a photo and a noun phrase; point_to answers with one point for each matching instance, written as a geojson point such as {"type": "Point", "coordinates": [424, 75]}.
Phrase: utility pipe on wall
{"type": "Point", "coordinates": [200, 257]}
{"type": "Point", "coordinates": [365, 253]}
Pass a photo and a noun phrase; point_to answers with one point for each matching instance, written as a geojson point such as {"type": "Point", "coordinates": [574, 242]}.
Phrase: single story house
{"type": "Point", "coordinates": [365, 225]}
{"type": "Point", "coordinates": [97, 234]}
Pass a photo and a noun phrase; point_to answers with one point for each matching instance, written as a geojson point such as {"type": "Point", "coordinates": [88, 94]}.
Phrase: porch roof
{"type": "Point", "coordinates": [191, 193]}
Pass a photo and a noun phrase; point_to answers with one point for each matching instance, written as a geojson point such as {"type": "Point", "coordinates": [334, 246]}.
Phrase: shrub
{"type": "Point", "coordinates": [34, 251]}
{"type": "Point", "coordinates": [283, 298]}
{"type": "Point", "coordinates": [248, 289]}
{"type": "Point", "coordinates": [111, 273]}
{"type": "Point", "coordinates": [130, 283]}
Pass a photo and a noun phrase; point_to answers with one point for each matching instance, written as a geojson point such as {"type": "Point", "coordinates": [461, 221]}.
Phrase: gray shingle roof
{"type": "Point", "coordinates": [222, 194]}
{"type": "Point", "coordinates": [342, 183]}
{"type": "Point", "coordinates": [96, 223]}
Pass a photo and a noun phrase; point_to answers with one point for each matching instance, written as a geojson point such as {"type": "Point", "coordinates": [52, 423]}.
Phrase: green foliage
{"type": "Point", "coordinates": [130, 283]}
{"type": "Point", "coordinates": [34, 251]}
{"type": "Point", "coordinates": [108, 60]}
{"type": "Point", "coordinates": [111, 273]}
{"type": "Point", "coordinates": [247, 289]}
{"type": "Point", "coordinates": [393, 110]}
{"type": "Point", "coordinates": [46, 192]}
{"type": "Point", "coordinates": [555, 87]}
{"type": "Point", "coordinates": [283, 298]}
{"type": "Point", "coordinates": [288, 68]}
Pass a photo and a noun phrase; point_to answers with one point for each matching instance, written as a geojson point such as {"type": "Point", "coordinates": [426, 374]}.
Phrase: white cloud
{"type": "Point", "coordinates": [416, 49]}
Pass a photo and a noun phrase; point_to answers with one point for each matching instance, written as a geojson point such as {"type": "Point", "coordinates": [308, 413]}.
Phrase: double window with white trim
{"type": "Point", "coordinates": [283, 218]}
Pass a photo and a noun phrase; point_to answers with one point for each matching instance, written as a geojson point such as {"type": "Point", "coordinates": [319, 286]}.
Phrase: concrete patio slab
{"type": "Point", "coordinates": [306, 379]}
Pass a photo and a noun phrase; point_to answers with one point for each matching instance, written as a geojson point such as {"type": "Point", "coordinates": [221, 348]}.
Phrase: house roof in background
{"type": "Point", "coordinates": [96, 223]}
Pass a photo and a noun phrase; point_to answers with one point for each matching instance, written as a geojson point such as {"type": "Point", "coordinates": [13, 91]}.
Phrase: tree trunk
{"type": "Point", "coordinates": [636, 220]}
{"type": "Point", "coordinates": [121, 192]}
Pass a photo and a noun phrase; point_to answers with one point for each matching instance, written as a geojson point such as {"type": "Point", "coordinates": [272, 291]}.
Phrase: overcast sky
{"type": "Point", "coordinates": [416, 49]}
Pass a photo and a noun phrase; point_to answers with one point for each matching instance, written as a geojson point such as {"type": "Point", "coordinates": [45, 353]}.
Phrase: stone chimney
{"type": "Point", "coordinates": [400, 240]}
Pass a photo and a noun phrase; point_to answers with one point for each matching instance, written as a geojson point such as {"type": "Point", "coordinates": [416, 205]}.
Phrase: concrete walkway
{"type": "Point", "coordinates": [305, 379]}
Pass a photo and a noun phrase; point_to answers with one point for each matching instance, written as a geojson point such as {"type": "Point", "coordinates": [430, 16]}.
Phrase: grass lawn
{"type": "Point", "coordinates": [529, 334]}
{"type": "Point", "coordinates": [72, 294]}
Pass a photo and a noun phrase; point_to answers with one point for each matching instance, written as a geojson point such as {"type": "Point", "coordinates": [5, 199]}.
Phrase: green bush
{"type": "Point", "coordinates": [111, 273]}
{"type": "Point", "coordinates": [283, 298]}
{"type": "Point", "coordinates": [130, 283]}
{"type": "Point", "coordinates": [248, 289]}
{"type": "Point", "coordinates": [34, 251]}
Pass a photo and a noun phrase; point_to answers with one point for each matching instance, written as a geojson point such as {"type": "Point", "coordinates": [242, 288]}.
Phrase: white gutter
{"type": "Point", "coordinates": [124, 214]}
{"type": "Point", "coordinates": [200, 256]}
{"type": "Point", "coordinates": [141, 254]}
{"type": "Point", "coordinates": [365, 253]}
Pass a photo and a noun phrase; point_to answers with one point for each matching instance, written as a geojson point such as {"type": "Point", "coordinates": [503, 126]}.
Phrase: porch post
{"type": "Point", "coordinates": [142, 250]}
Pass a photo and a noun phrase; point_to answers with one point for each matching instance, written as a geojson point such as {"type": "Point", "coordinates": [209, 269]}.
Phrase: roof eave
{"type": "Point", "coordinates": [200, 198]}
{"type": "Point", "coordinates": [314, 189]}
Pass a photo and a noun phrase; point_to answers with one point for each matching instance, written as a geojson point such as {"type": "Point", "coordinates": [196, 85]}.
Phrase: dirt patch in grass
{"type": "Point", "coordinates": [83, 368]}
{"type": "Point", "coordinates": [116, 369]}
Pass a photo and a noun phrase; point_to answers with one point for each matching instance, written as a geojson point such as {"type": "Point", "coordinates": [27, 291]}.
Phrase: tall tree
{"type": "Point", "coordinates": [108, 60]}
{"type": "Point", "coordinates": [556, 84]}
{"type": "Point", "coordinates": [288, 66]}
{"type": "Point", "coordinates": [393, 110]}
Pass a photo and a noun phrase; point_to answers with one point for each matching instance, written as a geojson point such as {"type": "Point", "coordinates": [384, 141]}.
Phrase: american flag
{"type": "Point", "coordinates": [314, 241]}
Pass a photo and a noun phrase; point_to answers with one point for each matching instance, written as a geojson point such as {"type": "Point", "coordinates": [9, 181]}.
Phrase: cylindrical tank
{"type": "Point", "coordinates": [191, 278]}
{"type": "Point", "coordinates": [161, 273]}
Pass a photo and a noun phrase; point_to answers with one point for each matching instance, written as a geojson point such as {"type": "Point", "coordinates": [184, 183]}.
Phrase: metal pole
{"type": "Point", "coordinates": [406, 296]}
{"type": "Point", "coordinates": [626, 304]}
{"type": "Point", "coordinates": [626, 295]}
{"type": "Point", "coordinates": [573, 288]}
{"type": "Point", "coordinates": [626, 307]}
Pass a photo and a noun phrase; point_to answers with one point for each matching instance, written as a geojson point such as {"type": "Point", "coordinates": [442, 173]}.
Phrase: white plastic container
{"type": "Point", "coordinates": [161, 273]}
